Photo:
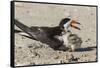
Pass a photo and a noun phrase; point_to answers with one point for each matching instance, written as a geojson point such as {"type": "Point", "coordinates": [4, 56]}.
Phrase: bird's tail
{"type": "Point", "coordinates": [25, 28]}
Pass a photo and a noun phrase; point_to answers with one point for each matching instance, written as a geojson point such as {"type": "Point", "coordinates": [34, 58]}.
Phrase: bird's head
{"type": "Point", "coordinates": [67, 22]}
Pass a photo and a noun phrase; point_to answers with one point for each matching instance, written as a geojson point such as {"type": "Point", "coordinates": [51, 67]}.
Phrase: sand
{"type": "Point", "coordinates": [32, 52]}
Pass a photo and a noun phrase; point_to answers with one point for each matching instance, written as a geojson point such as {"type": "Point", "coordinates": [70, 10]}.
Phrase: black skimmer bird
{"type": "Point", "coordinates": [54, 36]}
{"type": "Point", "coordinates": [70, 41]}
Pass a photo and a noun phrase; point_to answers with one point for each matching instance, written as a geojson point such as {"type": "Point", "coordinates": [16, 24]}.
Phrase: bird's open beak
{"type": "Point", "coordinates": [74, 24]}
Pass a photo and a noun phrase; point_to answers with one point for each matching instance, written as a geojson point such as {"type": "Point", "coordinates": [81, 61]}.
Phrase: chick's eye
{"type": "Point", "coordinates": [68, 31]}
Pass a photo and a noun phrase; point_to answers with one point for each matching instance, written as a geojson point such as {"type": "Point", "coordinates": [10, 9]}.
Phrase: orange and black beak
{"type": "Point", "coordinates": [74, 23]}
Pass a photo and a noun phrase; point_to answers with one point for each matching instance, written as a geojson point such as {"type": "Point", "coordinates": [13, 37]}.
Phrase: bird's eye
{"type": "Point", "coordinates": [68, 31]}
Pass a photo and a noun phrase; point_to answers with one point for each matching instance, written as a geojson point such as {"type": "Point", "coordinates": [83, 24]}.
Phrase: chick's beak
{"type": "Point", "coordinates": [74, 23]}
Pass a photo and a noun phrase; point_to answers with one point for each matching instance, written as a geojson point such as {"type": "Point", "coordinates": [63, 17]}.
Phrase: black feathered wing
{"type": "Point", "coordinates": [40, 35]}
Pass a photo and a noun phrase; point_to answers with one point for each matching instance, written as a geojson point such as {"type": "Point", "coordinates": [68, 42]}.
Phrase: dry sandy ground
{"type": "Point", "coordinates": [31, 52]}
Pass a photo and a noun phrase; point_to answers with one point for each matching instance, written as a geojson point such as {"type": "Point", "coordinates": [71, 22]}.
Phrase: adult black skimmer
{"type": "Point", "coordinates": [70, 40]}
{"type": "Point", "coordinates": [54, 36]}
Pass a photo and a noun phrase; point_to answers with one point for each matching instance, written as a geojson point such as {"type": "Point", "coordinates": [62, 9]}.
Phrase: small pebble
{"type": "Point", "coordinates": [89, 39]}
{"type": "Point", "coordinates": [73, 58]}
{"type": "Point", "coordinates": [30, 46]}
{"type": "Point", "coordinates": [92, 14]}
{"type": "Point", "coordinates": [32, 63]}
{"type": "Point", "coordinates": [85, 55]}
{"type": "Point", "coordinates": [19, 47]}
{"type": "Point", "coordinates": [27, 11]}
{"type": "Point", "coordinates": [61, 61]}
{"type": "Point", "coordinates": [57, 57]}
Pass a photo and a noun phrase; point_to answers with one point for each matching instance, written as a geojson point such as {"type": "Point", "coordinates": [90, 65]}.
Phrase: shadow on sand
{"type": "Point", "coordinates": [86, 49]}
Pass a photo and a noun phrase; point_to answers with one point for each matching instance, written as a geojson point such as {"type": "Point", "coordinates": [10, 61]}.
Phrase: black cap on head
{"type": "Point", "coordinates": [62, 22]}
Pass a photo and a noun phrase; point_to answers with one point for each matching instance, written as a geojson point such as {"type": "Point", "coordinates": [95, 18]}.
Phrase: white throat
{"type": "Point", "coordinates": [67, 24]}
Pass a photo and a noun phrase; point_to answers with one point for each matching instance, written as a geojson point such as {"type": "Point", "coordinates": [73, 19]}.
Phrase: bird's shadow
{"type": "Point", "coordinates": [86, 49]}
